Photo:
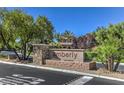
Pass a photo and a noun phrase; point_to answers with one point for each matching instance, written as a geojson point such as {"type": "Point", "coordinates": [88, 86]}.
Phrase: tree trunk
{"type": "Point", "coordinates": [106, 65]}
{"type": "Point", "coordinates": [17, 54]}
{"type": "Point", "coordinates": [116, 66]}
{"type": "Point", "coordinates": [110, 64]}
{"type": "Point", "coordinates": [31, 48]}
{"type": "Point", "coordinates": [24, 51]}
{"type": "Point", "coordinates": [28, 55]}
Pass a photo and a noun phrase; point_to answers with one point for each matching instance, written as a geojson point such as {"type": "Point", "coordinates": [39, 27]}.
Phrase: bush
{"type": "Point", "coordinates": [89, 56]}
{"type": "Point", "coordinates": [55, 45]}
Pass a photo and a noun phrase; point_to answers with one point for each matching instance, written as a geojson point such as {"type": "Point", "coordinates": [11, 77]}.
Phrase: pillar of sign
{"type": "Point", "coordinates": [39, 53]}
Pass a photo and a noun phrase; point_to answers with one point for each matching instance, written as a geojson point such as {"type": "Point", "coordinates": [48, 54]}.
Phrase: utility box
{"type": "Point", "coordinates": [92, 66]}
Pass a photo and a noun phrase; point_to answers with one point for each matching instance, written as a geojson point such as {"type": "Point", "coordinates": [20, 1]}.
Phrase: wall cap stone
{"type": "Point", "coordinates": [67, 49]}
{"type": "Point", "coordinates": [40, 45]}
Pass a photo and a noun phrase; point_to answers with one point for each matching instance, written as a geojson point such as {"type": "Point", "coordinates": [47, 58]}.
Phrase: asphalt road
{"type": "Point", "coordinates": [22, 75]}
{"type": "Point", "coordinates": [34, 76]}
{"type": "Point", "coordinates": [102, 81]}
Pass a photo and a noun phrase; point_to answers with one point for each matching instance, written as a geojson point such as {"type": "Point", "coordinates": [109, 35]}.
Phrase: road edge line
{"type": "Point", "coordinates": [63, 70]}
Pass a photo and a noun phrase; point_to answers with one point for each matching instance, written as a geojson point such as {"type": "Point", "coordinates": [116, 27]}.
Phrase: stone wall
{"type": "Point", "coordinates": [72, 58]}
{"type": "Point", "coordinates": [68, 65]}
{"type": "Point", "coordinates": [40, 53]}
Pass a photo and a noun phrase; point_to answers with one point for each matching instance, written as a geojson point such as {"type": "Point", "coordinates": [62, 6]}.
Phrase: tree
{"type": "Point", "coordinates": [86, 41]}
{"type": "Point", "coordinates": [110, 40]}
{"type": "Point", "coordinates": [6, 36]}
{"type": "Point", "coordinates": [18, 29]}
{"type": "Point", "coordinates": [57, 37]}
{"type": "Point", "coordinates": [66, 36]}
{"type": "Point", "coordinates": [17, 26]}
{"type": "Point", "coordinates": [44, 30]}
{"type": "Point", "coordinates": [25, 31]}
{"type": "Point", "coordinates": [90, 40]}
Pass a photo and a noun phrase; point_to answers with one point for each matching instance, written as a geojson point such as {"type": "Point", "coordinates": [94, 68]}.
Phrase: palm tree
{"type": "Point", "coordinates": [68, 36]}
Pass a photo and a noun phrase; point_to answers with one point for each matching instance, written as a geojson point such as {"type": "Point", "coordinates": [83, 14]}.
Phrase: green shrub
{"type": "Point", "coordinates": [55, 45]}
{"type": "Point", "coordinates": [89, 56]}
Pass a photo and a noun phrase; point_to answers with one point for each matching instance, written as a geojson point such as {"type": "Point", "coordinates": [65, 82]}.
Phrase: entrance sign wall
{"type": "Point", "coordinates": [42, 52]}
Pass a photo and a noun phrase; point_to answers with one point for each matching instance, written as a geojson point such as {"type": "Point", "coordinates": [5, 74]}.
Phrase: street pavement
{"type": "Point", "coordinates": [13, 74]}
{"type": "Point", "coordinates": [23, 75]}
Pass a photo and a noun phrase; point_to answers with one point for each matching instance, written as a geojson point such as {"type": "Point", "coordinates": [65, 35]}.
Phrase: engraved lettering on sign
{"type": "Point", "coordinates": [66, 54]}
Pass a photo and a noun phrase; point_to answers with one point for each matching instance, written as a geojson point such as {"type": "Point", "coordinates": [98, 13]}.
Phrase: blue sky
{"type": "Point", "coordinates": [79, 20]}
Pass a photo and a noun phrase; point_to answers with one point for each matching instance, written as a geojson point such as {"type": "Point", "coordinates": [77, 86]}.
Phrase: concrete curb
{"type": "Point", "coordinates": [63, 70]}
